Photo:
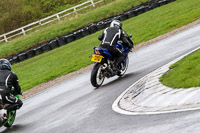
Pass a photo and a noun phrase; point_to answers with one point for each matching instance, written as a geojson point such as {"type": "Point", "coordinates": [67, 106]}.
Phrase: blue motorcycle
{"type": "Point", "coordinates": [104, 64]}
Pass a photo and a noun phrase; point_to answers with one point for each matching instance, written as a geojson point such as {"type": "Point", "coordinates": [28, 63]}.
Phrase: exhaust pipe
{"type": "Point", "coordinates": [104, 66]}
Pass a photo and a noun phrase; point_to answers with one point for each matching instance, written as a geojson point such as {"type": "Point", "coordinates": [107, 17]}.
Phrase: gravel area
{"type": "Point", "coordinates": [61, 79]}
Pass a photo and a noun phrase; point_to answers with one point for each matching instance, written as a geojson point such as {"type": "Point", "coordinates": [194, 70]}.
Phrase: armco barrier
{"type": "Point", "coordinates": [90, 29]}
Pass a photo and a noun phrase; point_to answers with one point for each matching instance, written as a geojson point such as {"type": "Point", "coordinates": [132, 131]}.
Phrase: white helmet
{"type": "Point", "coordinates": [116, 23]}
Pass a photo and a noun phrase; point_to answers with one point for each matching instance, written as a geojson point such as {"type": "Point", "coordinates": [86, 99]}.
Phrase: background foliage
{"type": "Point", "coordinates": [17, 13]}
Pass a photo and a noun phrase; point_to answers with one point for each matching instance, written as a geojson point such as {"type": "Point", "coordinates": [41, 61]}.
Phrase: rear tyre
{"type": "Point", "coordinates": [97, 76]}
{"type": "Point", "coordinates": [11, 118]}
{"type": "Point", "coordinates": [124, 69]}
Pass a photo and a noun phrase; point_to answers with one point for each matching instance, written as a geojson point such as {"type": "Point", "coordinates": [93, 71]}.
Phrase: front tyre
{"type": "Point", "coordinates": [97, 76]}
{"type": "Point", "coordinates": [11, 119]}
{"type": "Point", "coordinates": [124, 69]}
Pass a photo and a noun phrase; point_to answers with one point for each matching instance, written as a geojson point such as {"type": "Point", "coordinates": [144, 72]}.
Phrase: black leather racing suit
{"type": "Point", "coordinates": [110, 37]}
{"type": "Point", "coordinates": [8, 80]}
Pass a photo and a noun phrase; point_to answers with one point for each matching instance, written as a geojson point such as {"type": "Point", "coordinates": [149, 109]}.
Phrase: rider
{"type": "Point", "coordinates": [111, 36]}
{"type": "Point", "coordinates": [9, 79]}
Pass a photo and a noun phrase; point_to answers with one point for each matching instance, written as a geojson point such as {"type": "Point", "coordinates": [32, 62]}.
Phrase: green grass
{"type": "Point", "coordinates": [55, 63]}
{"type": "Point", "coordinates": [65, 26]}
{"type": "Point", "coordinates": [184, 73]}
{"type": "Point", "coordinates": [75, 55]}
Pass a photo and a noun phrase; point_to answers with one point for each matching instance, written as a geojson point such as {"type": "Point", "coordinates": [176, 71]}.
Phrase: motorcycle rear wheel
{"type": "Point", "coordinates": [97, 76]}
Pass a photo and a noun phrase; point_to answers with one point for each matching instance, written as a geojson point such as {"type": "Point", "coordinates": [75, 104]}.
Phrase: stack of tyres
{"type": "Point", "coordinates": [53, 44]}
{"type": "Point", "coordinates": [22, 57]}
{"type": "Point", "coordinates": [101, 25]}
{"type": "Point", "coordinates": [85, 31]}
{"type": "Point", "coordinates": [38, 50]}
{"type": "Point", "coordinates": [30, 53]}
{"type": "Point", "coordinates": [69, 37]}
{"type": "Point", "coordinates": [45, 47]}
{"type": "Point", "coordinates": [61, 41]}
{"type": "Point", "coordinates": [92, 28]}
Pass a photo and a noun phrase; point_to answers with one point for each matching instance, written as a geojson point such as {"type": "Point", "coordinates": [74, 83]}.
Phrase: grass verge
{"type": "Point", "coordinates": [75, 55]}
{"type": "Point", "coordinates": [184, 73]}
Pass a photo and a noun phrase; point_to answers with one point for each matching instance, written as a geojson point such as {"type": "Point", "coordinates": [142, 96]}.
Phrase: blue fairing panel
{"type": "Point", "coordinates": [104, 52]}
{"type": "Point", "coordinates": [107, 54]}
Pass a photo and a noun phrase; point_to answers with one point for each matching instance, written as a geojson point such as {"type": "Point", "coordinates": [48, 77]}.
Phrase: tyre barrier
{"type": "Point", "coordinates": [38, 50]}
{"type": "Point", "coordinates": [30, 53]}
{"type": "Point", "coordinates": [92, 28]}
{"type": "Point", "coordinates": [130, 13]}
{"type": "Point", "coordinates": [46, 47]}
{"type": "Point", "coordinates": [123, 17]}
{"type": "Point", "coordinates": [163, 2]}
{"type": "Point", "coordinates": [53, 44]}
{"type": "Point", "coordinates": [13, 60]}
{"type": "Point", "coordinates": [22, 57]}
{"type": "Point", "coordinates": [69, 38]}
{"type": "Point", "coordinates": [101, 25]}
{"type": "Point", "coordinates": [78, 34]}
{"type": "Point", "coordinates": [140, 10]}
{"type": "Point", "coordinates": [81, 33]}
{"type": "Point", "coordinates": [87, 30]}
{"type": "Point", "coordinates": [61, 41]}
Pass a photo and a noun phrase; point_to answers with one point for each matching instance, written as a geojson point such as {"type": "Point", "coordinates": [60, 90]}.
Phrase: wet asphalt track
{"type": "Point", "coordinates": [76, 107]}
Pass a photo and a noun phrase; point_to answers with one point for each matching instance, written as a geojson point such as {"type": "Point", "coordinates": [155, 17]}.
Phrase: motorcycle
{"type": "Point", "coordinates": [104, 64]}
{"type": "Point", "coordinates": [7, 118]}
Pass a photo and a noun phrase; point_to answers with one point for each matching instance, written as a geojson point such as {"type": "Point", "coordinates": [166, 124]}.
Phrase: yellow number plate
{"type": "Point", "coordinates": [97, 58]}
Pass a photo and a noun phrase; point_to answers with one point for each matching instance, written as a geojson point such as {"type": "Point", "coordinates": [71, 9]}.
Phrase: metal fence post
{"type": "Point", "coordinates": [58, 17]}
{"type": "Point", "coordinates": [5, 38]}
{"type": "Point", "coordinates": [40, 23]}
{"type": "Point", "coordinates": [75, 10]}
{"type": "Point", "coordinates": [92, 2]}
{"type": "Point", "coordinates": [23, 31]}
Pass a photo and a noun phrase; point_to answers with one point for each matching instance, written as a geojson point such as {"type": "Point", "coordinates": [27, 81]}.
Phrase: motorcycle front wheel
{"type": "Point", "coordinates": [97, 76]}
{"type": "Point", "coordinates": [124, 69]}
{"type": "Point", "coordinates": [11, 119]}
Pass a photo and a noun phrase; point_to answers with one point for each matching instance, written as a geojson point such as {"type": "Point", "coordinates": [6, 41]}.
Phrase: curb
{"type": "Point", "coordinates": [130, 102]}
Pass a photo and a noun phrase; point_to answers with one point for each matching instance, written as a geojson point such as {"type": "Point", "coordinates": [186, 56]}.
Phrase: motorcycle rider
{"type": "Point", "coordinates": [9, 79]}
{"type": "Point", "coordinates": [111, 36]}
